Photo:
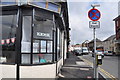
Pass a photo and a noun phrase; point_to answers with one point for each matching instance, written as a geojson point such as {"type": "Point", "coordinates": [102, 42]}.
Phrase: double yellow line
{"type": "Point", "coordinates": [102, 70]}
{"type": "Point", "coordinates": [107, 74]}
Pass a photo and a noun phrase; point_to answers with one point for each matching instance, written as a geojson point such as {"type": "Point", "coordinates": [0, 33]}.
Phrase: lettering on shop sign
{"type": "Point", "coordinates": [43, 34]}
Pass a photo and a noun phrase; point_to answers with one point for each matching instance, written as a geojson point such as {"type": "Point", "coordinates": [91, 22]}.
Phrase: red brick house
{"type": "Point", "coordinates": [117, 30]}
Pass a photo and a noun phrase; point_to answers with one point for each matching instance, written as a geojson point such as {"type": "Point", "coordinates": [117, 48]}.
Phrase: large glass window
{"type": "Point", "coordinates": [58, 43]}
{"type": "Point", "coordinates": [42, 40]}
{"type": "Point", "coordinates": [9, 27]}
{"type": "Point", "coordinates": [53, 6]}
{"type": "Point", "coordinates": [37, 40]}
{"type": "Point", "coordinates": [40, 3]}
{"type": "Point", "coordinates": [8, 2]}
{"type": "Point", "coordinates": [26, 40]}
{"type": "Point", "coordinates": [26, 35]}
{"type": "Point", "coordinates": [42, 51]}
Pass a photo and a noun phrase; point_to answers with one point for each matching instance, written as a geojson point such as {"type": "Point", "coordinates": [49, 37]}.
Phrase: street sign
{"type": "Point", "coordinates": [94, 14]}
{"type": "Point", "coordinates": [94, 24]}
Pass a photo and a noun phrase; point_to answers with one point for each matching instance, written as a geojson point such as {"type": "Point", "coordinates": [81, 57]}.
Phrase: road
{"type": "Point", "coordinates": [109, 67]}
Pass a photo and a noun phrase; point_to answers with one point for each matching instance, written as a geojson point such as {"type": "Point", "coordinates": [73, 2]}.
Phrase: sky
{"type": "Point", "coordinates": [79, 21]}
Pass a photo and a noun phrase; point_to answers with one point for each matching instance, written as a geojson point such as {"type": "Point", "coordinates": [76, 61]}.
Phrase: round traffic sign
{"type": "Point", "coordinates": [94, 14]}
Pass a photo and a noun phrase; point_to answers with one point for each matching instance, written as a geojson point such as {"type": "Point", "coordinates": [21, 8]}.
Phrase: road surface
{"type": "Point", "coordinates": [109, 67]}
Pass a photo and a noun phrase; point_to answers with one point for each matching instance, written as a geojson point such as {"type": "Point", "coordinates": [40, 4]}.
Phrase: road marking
{"type": "Point", "coordinates": [106, 73]}
{"type": "Point", "coordinates": [85, 69]}
{"type": "Point", "coordinates": [102, 70]}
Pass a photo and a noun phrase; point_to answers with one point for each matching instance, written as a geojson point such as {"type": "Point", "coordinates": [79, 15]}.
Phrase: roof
{"type": "Point", "coordinates": [116, 18]}
{"type": "Point", "coordinates": [97, 40]}
{"type": "Point", "coordinates": [110, 38]}
{"type": "Point", "coordinates": [76, 45]}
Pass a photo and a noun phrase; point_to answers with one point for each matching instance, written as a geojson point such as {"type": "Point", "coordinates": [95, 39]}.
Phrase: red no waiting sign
{"type": "Point", "coordinates": [94, 14]}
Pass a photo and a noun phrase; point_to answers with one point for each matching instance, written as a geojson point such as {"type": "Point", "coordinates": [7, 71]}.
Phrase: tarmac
{"type": "Point", "coordinates": [75, 68]}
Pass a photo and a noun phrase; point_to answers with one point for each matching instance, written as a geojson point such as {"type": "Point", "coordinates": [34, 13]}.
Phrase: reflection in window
{"type": "Point", "coordinates": [42, 58]}
{"type": "Point", "coordinates": [58, 43]}
{"type": "Point", "coordinates": [9, 27]}
{"type": "Point", "coordinates": [26, 35]}
{"type": "Point", "coordinates": [53, 7]}
{"type": "Point", "coordinates": [41, 4]}
{"type": "Point", "coordinates": [42, 28]}
{"type": "Point", "coordinates": [43, 46]}
{"type": "Point", "coordinates": [25, 59]}
{"type": "Point", "coordinates": [49, 46]}
{"type": "Point", "coordinates": [36, 46]}
{"type": "Point", "coordinates": [8, 2]}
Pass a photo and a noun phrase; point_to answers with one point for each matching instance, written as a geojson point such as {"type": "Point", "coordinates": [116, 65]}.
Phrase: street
{"type": "Point", "coordinates": [109, 67]}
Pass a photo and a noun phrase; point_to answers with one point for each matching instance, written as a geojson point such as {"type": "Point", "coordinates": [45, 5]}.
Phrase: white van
{"type": "Point", "coordinates": [85, 50]}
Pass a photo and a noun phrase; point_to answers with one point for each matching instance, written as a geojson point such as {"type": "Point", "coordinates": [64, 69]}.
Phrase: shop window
{"type": "Point", "coordinates": [58, 43]}
{"type": "Point", "coordinates": [42, 28]}
{"type": "Point", "coordinates": [41, 3]}
{"type": "Point", "coordinates": [42, 49]}
{"type": "Point", "coordinates": [42, 58]}
{"type": "Point", "coordinates": [26, 35]}
{"type": "Point", "coordinates": [49, 47]}
{"type": "Point", "coordinates": [25, 59]}
{"type": "Point", "coordinates": [8, 2]}
{"type": "Point", "coordinates": [53, 7]}
{"type": "Point", "coordinates": [26, 40]}
{"type": "Point", "coordinates": [43, 46]}
{"type": "Point", "coordinates": [36, 46]}
{"type": "Point", "coordinates": [42, 40]}
{"type": "Point", "coordinates": [9, 27]}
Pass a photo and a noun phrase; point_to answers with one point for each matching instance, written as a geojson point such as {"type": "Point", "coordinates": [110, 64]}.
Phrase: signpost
{"type": "Point", "coordinates": [94, 15]}
{"type": "Point", "coordinates": [94, 24]}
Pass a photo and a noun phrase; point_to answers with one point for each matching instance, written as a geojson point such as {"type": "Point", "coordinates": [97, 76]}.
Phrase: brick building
{"type": "Point", "coordinates": [117, 30]}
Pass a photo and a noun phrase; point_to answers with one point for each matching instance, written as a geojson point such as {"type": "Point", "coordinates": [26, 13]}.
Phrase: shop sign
{"type": "Point", "coordinates": [94, 24]}
{"type": "Point", "coordinates": [43, 34]}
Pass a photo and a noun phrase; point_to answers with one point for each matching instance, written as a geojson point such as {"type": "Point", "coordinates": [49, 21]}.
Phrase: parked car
{"type": "Point", "coordinates": [99, 52]}
{"type": "Point", "coordinates": [109, 53]}
{"type": "Point", "coordinates": [90, 52]}
{"type": "Point", "coordinates": [85, 50]}
{"type": "Point", "coordinates": [77, 52]}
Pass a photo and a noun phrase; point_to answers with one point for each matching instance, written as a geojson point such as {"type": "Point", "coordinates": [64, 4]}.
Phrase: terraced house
{"type": "Point", "coordinates": [117, 30]}
{"type": "Point", "coordinates": [35, 38]}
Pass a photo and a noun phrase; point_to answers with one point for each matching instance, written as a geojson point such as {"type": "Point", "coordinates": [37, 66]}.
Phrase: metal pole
{"type": "Point", "coordinates": [95, 57]}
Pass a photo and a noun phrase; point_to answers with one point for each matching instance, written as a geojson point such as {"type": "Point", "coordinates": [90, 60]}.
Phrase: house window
{"type": "Point", "coordinates": [117, 23]}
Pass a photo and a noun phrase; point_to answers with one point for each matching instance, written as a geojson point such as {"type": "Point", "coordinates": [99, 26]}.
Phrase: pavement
{"type": "Point", "coordinates": [75, 68]}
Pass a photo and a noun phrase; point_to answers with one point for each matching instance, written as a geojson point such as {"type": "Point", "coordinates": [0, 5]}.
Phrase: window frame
{"type": "Point", "coordinates": [32, 39]}
{"type": "Point", "coordinates": [14, 49]}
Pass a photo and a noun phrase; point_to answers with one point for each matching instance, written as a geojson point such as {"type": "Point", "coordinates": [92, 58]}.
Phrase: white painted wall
{"type": "Point", "coordinates": [0, 72]}
{"type": "Point", "coordinates": [41, 71]}
{"type": "Point", "coordinates": [8, 71]}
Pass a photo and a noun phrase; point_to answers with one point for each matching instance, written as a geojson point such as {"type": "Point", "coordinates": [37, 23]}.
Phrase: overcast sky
{"type": "Point", "coordinates": [79, 21]}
